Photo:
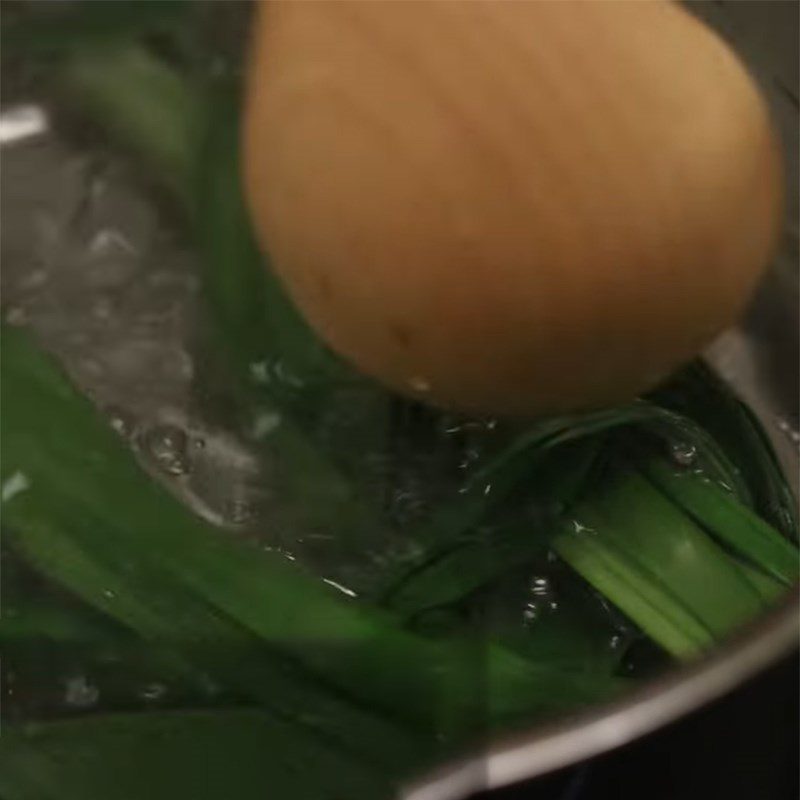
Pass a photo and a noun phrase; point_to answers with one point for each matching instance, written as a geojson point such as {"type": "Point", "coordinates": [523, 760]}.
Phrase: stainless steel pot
{"type": "Point", "coordinates": [760, 358]}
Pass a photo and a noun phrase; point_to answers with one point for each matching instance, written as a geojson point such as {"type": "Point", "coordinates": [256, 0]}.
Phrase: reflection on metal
{"type": "Point", "coordinates": [549, 748]}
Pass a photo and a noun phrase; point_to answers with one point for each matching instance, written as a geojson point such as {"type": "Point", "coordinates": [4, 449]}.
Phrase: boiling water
{"type": "Point", "coordinates": [97, 269]}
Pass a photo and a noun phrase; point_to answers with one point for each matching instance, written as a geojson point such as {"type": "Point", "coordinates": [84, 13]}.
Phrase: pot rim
{"type": "Point", "coordinates": [603, 728]}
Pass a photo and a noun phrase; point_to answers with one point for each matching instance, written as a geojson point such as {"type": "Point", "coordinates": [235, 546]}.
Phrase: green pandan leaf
{"type": "Point", "coordinates": [171, 576]}
{"type": "Point", "coordinates": [203, 755]}
{"type": "Point", "coordinates": [730, 522]}
{"type": "Point", "coordinates": [651, 560]}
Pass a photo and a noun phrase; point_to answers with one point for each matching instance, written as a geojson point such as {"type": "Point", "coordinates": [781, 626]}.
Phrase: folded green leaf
{"type": "Point", "coordinates": [637, 519]}
{"type": "Point", "coordinates": [642, 598]}
{"type": "Point", "coordinates": [652, 561]}
{"type": "Point", "coordinates": [525, 457]}
{"type": "Point", "coordinates": [768, 588]}
{"type": "Point", "coordinates": [727, 520]}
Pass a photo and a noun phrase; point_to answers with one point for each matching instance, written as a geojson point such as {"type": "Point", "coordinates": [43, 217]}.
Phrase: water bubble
{"type": "Point", "coordinates": [153, 692]}
{"type": "Point", "coordinates": [540, 586]}
{"type": "Point", "coordinates": [284, 375]}
{"type": "Point", "coordinates": [12, 486]}
{"type": "Point", "coordinates": [683, 454]}
{"type": "Point", "coordinates": [103, 309]}
{"type": "Point", "coordinates": [209, 687]}
{"type": "Point", "coordinates": [419, 384]}
{"type": "Point", "coordinates": [471, 455]}
{"type": "Point", "coordinates": [22, 122]}
{"type": "Point", "coordinates": [178, 362]}
{"type": "Point", "coordinates": [109, 594]}
{"type": "Point", "coordinates": [110, 242]}
{"type": "Point", "coordinates": [264, 423]}
{"type": "Point", "coordinates": [580, 528]}
{"type": "Point", "coordinates": [16, 315]}
{"type": "Point", "coordinates": [406, 504]}
{"type": "Point", "coordinates": [91, 366]}
{"type": "Point", "coordinates": [109, 657]}
{"type": "Point", "coordinates": [167, 446]}
{"type": "Point", "coordinates": [80, 693]}
{"type": "Point", "coordinates": [34, 279]}
{"type": "Point", "coordinates": [789, 431]}
{"type": "Point", "coordinates": [259, 372]}
{"type": "Point", "coordinates": [530, 613]}
{"type": "Point", "coordinates": [239, 511]}
{"type": "Point", "coordinates": [121, 420]}
{"type": "Point", "coordinates": [269, 371]}
{"type": "Point", "coordinates": [785, 518]}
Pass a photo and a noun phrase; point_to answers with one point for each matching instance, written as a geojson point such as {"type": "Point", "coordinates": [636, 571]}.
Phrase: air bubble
{"type": "Point", "coordinates": [153, 692]}
{"type": "Point", "coordinates": [167, 445]}
{"type": "Point", "coordinates": [122, 421]}
{"type": "Point", "coordinates": [530, 614]}
{"type": "Point", "coordinates": [789, 431]}
{"type": "Point", "coordinates": [683, 454]}
{"type": "Point", "coordinates": [239, 511]}
{"type": "Point", "coordinates": [16, 316]}
{"type": "Point", "coordinates": [580, 528]}
{"type": "Point", "coordinates": [259, 372]}
{"type": "Point", "coordinates": [264, 424]}
{"type": "Point", "coordinates": [103, 309]}
{"type": "Point", "coordinates": [13, 485]}
{"type": "Point", "coordinates": [80, 693]}
{"type": "Point", "coordinates": [34, 280]}
{"type": "Point", "coordinates": [419, 384]}
{"type": "Point", "coordinates": [540, 586]}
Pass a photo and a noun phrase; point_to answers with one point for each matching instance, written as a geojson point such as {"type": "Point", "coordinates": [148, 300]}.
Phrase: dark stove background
{"type": "Point", "coordinates": [743, 747]}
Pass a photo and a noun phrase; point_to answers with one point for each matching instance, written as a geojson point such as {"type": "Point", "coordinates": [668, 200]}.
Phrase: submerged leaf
{"type": "Point", "coordinates": [702, 396]}
{"type": "Point", "coordinates": [203, 755]}
{"type": "Point", "coordinates": [70, 27]}
{"type": "Point", "coordinates": [653, 561]}
{"type": "Point", "coordinates": [143, 103]}
{"type": "Point", "coordinates": [644, 600]}
{"type": "Point", "coordinates": [170, 576]}
{"type": "Point", "coordinates": [728, 520]}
